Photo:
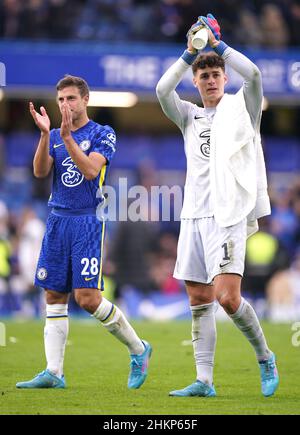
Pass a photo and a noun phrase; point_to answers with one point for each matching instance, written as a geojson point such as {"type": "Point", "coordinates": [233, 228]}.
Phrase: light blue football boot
{"type": "Point", "coordinates": [269, 376]}
{"type": "Point", "coordinates": [45, 379]}
{"type": "Point", "coordinates": [198, 388]}
{"type": "Point", "coordinates": [139, 367]}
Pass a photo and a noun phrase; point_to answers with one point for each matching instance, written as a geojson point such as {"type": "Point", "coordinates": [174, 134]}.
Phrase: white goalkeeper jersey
{"type": "Point", "coordinates": [195, 125]}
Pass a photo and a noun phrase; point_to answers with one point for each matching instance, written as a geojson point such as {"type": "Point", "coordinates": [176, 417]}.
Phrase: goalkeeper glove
{"type": "Point", "coordinates": [195, 27]}
{"type": "Point", "coordinates": [212, 24]}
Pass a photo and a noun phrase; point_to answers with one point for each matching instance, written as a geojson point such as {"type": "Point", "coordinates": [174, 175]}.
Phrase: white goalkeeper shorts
{"type": "Point", "coordinates": [206, 250]}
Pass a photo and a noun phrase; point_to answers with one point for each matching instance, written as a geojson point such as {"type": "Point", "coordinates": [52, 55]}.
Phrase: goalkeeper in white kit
{"type": "Point", "coordinates": [224, 195]}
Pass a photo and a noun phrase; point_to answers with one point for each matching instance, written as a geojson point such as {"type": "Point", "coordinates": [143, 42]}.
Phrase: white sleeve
{"type": "Point", "coordinates": [174, 108]}
{"type": "Point", "coordinates": [252, 86]}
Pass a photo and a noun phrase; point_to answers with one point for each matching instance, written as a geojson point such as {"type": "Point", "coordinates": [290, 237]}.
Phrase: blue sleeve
{"type": "Point", "coordinates": [52, 142]}
{"type": "Point", "coordinates": [104, 142]}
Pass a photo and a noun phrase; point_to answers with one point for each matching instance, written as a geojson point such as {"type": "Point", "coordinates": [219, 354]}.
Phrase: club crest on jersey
{"type": "Point", "coordinates": [85, 145]}
{"type": "Point", "coordinates": [205, 147]}
{"type": "Point", "coordinates": [42, 273]}
{"type": "Point", "coordinates": [72, 177]}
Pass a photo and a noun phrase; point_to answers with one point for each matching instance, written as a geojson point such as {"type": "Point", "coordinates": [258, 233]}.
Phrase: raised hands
{"type": "Point", "coordinates": [41, 119]}
{"type": "Point", "coordinates": [211, 24]}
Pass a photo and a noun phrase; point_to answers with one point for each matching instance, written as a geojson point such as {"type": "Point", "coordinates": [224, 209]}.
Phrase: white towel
{"type": "Point", "coordinates": [237, 167]}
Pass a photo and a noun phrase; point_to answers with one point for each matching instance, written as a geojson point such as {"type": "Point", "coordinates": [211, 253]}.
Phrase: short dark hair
{"type": "Point", "coordinates": [210, 59]}
{"type": "Point", "coordinates": [69, 80]}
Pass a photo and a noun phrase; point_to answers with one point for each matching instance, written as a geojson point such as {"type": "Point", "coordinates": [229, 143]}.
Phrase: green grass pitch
{"type": "Point", "coordinates": [96, 370]}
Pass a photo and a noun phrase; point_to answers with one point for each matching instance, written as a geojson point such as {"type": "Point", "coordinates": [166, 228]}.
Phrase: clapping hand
{"type": "Point", "coordinates": [41, 119]}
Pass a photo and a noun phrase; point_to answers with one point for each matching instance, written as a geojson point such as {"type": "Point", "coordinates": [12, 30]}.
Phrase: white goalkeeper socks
{"type": "Point", "coordinates": [246, 320]}
{"type": "Point", "coordinates": [55, 336]}
{"type": "Point", "coordinates": [204, 335]}
{"type": "Point", "coordinates": [115, 322]}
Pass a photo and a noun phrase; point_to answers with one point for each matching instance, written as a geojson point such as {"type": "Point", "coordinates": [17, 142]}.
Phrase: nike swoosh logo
{"type": "Point", "coordinates": [58, 145]}
{"type": "Point", "coordinates": [225, 264]}
{"type": "Point", "coordinates": [89, 279]}
{"type": "Point", "coordinates": [199, 117]}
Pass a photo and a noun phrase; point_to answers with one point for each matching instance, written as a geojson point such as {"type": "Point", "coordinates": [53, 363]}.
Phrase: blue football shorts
{"type": "Point", "coordinates": [71, 253]}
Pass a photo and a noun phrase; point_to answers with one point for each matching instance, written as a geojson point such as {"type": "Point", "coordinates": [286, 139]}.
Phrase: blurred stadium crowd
{"type": "Point", "coordinates": [141, 255]}
{"type": "Point", "coordinates": [255, 23]}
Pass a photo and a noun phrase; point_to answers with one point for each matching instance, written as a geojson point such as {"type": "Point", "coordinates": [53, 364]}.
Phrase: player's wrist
{"type": "Point", "coordinates": [67, 138]}
{"type": "Point", "coordinates": [189, 57]}
{"type": "Point", "coordinates": [192, 51]}
{"type": "Point", "coordinates": [45, 133]}
{"type": "Point", "coordinates": [220, 47]}
{"type": "Point", "coordinates": [215, 44]}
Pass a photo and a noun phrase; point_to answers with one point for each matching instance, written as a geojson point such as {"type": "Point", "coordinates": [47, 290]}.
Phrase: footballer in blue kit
{"type": "Point", "coordinates": [78, 153]}
{"type": "Point", "coordinates": [77, 240]}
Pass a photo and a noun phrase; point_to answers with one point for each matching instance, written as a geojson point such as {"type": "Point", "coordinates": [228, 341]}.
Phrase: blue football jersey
{"type": "Point", "coordinates": [70, 189]}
